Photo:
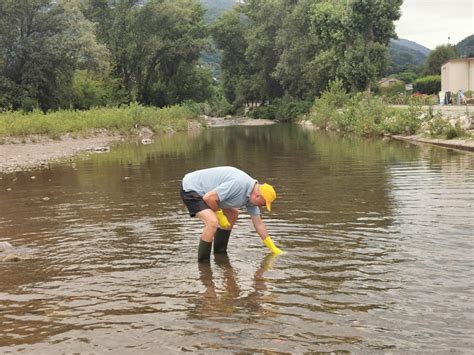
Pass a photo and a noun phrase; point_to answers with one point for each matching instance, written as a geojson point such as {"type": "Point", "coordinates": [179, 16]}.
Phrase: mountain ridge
{"type": "Point", "coordinates": [412, 45]}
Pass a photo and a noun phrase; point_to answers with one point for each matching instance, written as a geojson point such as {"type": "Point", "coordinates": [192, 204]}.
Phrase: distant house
{"type": "Point", "coordinates": [390, 82]}
{"type": "Point", "coordinates": [458, 74]}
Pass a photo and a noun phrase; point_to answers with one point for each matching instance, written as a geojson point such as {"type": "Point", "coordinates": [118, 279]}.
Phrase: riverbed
{"type": "Point", "coordinates": [378, 235]}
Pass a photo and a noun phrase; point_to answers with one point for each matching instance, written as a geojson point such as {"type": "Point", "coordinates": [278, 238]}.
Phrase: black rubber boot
{"type": "Point", "coordinates": [221, 239]}
{"type": "Point", "coordinates": [204, 251]}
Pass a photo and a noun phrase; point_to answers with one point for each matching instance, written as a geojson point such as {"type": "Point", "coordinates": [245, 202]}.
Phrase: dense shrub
{"type": "Point", "coordinates": [402, 121]}
{"type": "Point", "coordinates": [284, 109]}
{"type": "Point", "coordinates": [324, 112]}
{"type": "Point", "coordinates": [363, 114]}
{"type": "Point", "coordinates": [393, 90]}
{"type": "Point", "coordinates": [265, 112]}
{"type": "Point", "coordinates": [94, 91]}
{"type": "Point", "coordinates": [288, 109]}
{"type": "Point", "coordinates": [416, 99]}
{"type": "Point", "coordinates": [218, 105]}
{"type": "Point", "coordinates": [438, 126]}
{"type": "Point", "coordinates": [428, 84]}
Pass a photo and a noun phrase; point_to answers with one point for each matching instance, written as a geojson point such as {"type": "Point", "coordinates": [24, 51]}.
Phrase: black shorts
{"type": "Point", "coordinates": [193, 202]}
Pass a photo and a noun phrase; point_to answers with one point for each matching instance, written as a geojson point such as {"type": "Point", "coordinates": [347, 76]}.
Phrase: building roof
{"type": "Point", "coordinates": [383, 80]}
{"type": "Point", "coordinates": [458, 60]}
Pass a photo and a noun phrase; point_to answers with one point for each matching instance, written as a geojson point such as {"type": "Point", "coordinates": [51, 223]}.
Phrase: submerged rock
{"type": "Point", "coordinates": [147, 141]}
{"type": "Point", "coordinates": [98, 149]}
{"type": "Point", "coordinates": [10, 254]}
{"type": "Point", "coordinates": [12, 257]}
{"type": "Point", "coordinates": [4, 246]}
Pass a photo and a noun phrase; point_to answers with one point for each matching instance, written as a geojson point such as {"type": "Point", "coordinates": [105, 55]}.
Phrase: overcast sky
{"type": "Point", "coordinates": [431, 22]}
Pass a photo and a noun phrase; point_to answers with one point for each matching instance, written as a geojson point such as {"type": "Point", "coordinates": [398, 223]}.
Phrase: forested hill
{"type": "Point", "coordinates": [215, 8]}
{"type": "Point", "coordinates": [412, 45]}
{"type": "Point", "coordinates": [465, 48]}
{"type": "Point", "coordinates": [405, 53]}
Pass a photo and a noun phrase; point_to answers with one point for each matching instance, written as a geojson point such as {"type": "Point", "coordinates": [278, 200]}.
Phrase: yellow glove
{"type": "Point", "coordinates": [270, 245]}
{"type": "Point", "coordinates": [222, 219]}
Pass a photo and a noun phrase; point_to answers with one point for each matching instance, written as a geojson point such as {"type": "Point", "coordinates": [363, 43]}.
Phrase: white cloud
{"type": "Point", "coordinates": [431, 22]}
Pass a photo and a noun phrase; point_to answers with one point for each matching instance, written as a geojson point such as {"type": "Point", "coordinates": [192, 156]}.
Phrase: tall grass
{"type": "Point", "coordinates": [118, 119]}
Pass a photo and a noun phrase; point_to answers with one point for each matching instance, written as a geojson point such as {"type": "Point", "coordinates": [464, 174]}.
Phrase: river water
{"type": "Point", "coordinates": [378, 235]}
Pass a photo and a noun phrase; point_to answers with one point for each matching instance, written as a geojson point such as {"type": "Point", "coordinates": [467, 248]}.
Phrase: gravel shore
{"type": "Point", "coordinates": [16, 156]}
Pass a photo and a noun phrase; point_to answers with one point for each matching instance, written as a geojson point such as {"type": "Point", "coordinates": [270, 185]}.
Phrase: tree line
{"type": "Point", "coordinates": [85, 53]}
{"type": "Point", "coordinates": [277, 47]}
{"type": "Point", "coordinates": [66, 53]}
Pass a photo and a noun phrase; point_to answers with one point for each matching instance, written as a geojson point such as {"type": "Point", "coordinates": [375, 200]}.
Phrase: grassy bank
{"type": "Point", "coordinates": [82, 123]}
{"type": "Point", "coordinates": [368, 115]}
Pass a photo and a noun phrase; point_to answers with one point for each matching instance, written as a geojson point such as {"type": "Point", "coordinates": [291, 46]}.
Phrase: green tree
{"type": "Point", "coordinates": [43, 42]}
{"type": "Point", "coordinates": [265, 18]}
{"type": "Point", "coordinates": [152, 45]}
{"type": "Point", "coordinates": [409, 75]}
{"type": "Point", "coordinates": [437, 57]}
{"type": "Point", "coordinates": [354, 36]}
{"type": "Point", "coordinates": [330, 30]}
{"type": "Point", "coordinates": [370, 26]}
{"type": "Point", "coordinates": [298, 45]}
{"type": "Point", "coordinates": [101, 14]}
{"type": "Point", "coordinates": [172, 35]}
{"type": "Point", "coordinates": [229, 33]}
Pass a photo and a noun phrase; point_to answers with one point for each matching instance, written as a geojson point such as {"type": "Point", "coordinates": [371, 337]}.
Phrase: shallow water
{"type": "Point", "coordinates": [378, 234]}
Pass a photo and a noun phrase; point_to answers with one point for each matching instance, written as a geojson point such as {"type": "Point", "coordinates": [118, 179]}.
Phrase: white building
{"type": "Point", "coordinates": [458, 74]}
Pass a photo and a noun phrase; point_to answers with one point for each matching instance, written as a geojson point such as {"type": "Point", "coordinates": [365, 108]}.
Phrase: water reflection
{"type": "Point", "coordinates": [220, 300]}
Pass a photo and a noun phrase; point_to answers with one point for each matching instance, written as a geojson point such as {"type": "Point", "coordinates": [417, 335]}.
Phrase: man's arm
{"type": "Point", "coordinates": [212, 200]}
{"type": "Point", "coordinates": [262, 232]}
{"type": "Point", "coordinates": [259, 226]}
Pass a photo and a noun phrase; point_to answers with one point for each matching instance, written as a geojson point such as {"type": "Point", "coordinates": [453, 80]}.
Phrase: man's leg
{"type": "Point", "coordinates": [209, 218]}
{"type": "Point", "coordinates": [221, 238]}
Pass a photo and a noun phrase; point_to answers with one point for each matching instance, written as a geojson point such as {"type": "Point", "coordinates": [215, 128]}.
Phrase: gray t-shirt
{"type": "Point", "coordinates": [232, 185]}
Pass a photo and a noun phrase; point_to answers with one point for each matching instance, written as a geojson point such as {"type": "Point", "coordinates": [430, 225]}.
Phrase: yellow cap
{"type": "Point", "coordinates": [269, 194]}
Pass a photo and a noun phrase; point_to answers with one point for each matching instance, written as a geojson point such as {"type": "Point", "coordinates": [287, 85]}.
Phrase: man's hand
{"type": "Point", "coordinates": [270, 245]}
{"type": "Point", "coordinates": [222, 219]}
